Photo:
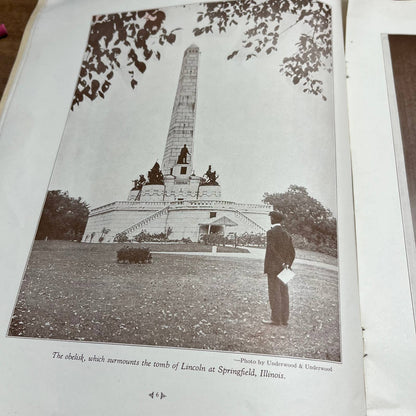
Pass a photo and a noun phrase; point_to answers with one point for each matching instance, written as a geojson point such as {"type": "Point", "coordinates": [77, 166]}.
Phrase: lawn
{"type": "Point", "coordinates": [74, 291]}
{"type": "Point", "coordinates": [189, 247]}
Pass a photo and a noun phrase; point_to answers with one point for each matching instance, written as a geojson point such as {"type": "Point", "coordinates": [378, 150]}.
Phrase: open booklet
{"type": "Point", "coordinates": [142, 152]}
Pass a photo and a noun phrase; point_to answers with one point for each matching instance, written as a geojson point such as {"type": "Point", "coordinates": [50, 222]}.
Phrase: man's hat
{"type": "Point", "coordinates": [276, 216]}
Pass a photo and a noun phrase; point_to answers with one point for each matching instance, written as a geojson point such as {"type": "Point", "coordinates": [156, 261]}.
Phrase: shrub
{"type": "Point", "coordinates": [213, 239]}
{"type": "Point", "coordinates": [246, 239]}
{"type": "Point", "coordinates": [251, 239]}
{"type": "Point", "coordinates": [144, 236]}
{"type": "Point", "coordinates": [327, 246]}
{"type": "Point", "coordinates": [121, 238]}
{"type": "Point", "coordinates": [134, 255]}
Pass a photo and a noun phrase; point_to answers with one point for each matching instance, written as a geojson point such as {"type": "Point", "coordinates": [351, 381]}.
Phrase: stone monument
{"type": "Point", "coordinates": [173, 196]}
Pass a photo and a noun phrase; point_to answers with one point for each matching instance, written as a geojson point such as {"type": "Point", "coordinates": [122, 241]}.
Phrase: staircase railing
{"type": "Point", "coordinates": [248, 220]}
{"type": "Point", "coordinates": [143, 222]}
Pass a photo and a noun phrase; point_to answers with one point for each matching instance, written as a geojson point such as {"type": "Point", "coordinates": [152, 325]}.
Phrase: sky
{"type": "Point", "coordinates": [259, 132]}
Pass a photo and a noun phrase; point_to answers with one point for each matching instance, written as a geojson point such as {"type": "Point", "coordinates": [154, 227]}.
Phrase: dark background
{"type": "Point", "coordinates": [14, 14]}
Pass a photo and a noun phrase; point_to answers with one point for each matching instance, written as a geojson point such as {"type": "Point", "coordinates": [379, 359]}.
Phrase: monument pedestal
{"type": "Point", "coordinates": [152, 193]}
{"type": "Point", "coordinates": [209, 192]}
{"type": "Point", "coordinates": [133, 195]}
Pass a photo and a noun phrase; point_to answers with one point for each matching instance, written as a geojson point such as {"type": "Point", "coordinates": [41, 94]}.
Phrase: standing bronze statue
{"type": "Point", "coordinates": [182, 158]}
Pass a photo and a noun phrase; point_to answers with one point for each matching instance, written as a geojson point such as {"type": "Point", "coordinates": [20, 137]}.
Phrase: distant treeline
{"type": "Point", "coordinates": [312, 226]}
{"type": "Point", "coordinates": [63, 217]}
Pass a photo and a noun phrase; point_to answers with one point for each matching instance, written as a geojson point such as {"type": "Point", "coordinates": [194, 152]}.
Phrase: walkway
{"type": "Point", "coordinates": [254, 253]}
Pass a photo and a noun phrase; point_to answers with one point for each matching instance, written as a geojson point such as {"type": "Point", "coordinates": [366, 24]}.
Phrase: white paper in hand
{"type": "Point", "coordinates": [286, 275]}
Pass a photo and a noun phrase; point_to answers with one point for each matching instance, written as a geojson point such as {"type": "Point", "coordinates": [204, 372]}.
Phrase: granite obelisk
{"type": "Point", "coordinates": [182, 123]}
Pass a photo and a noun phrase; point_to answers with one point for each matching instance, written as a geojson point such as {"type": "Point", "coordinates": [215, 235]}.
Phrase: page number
{"type": "Point", "coordinates": [157, 395]}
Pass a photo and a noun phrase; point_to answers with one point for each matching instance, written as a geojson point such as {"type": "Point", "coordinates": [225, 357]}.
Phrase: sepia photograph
{"type": "Point", "coordinates": [400, 56]}
{"type": "Point", "coordinates": [193, 200]}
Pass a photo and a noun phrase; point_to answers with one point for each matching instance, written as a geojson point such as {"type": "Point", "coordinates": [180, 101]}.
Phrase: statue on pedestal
{"type": "Point", "coordinates": [183, 154]}
{"type": "Point", "coordinates": [138, 183]}
{"type": "Point", "coordinates": [210, 177]}
{"type": "Point", "coordinates": [155, 175]}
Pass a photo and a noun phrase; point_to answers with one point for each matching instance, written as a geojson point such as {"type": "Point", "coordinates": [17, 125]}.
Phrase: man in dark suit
{"type": "Point", "coordinates": [279, 254]}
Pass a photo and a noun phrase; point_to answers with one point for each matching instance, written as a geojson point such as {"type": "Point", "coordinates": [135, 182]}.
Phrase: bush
{"type": "Point", "coordinates": [246, 239]}
{"type": "Point", "coordinates": [327, 246]}
{"type": "Point", "coordinates": [213, 239]}
{"type": "Point", "coordinates": [144, 236]}
{"type": "Point", "coordinates": [251, 239]}
{"type": "Point", "coordinates": [121, 238]}
{"type": "Point", "coordinates": [134, 255]}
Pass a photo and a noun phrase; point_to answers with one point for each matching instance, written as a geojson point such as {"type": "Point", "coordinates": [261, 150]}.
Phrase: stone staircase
{"type": "Point", "coordinates": [145, 221]}
{"type": "Point", "coordinates": [247, 220]}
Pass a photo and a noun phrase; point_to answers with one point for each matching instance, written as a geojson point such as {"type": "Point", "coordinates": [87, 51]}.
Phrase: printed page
{"type": "Point", "coordinates": [381, 57]}
{"type": "Point", "coordinates": [160, 168]}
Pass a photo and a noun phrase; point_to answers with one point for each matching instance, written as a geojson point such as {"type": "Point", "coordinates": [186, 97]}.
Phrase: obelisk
{"type": "Point", "coordinates": [182, 123]}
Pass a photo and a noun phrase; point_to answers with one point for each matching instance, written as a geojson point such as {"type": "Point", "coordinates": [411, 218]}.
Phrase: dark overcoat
{"type": "Point", "coordinates": [279, 250]}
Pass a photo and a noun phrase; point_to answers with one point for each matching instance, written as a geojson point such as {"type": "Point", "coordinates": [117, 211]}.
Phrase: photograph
{"type": "Point", "coordinates": [400, 56]}
{"type": "Point", "coordinates": [193, 200]}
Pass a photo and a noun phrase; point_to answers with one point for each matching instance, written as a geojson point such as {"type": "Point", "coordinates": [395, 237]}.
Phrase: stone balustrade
{"type": "Point", "coordinates": [194, 204]}
{"type": "Point", "coordinates": [129, 206]}
{"type": "Point", "coordinates": [216, 204]}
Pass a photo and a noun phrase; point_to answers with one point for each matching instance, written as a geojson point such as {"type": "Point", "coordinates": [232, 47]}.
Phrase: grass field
{"type": "Point", "coordinates": [74, 291]}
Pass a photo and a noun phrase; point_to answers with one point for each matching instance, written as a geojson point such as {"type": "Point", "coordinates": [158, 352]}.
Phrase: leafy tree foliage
{"type": "Point", "coordinates": [127, 41]}
{"type": "Point", "coordinates": [118, 40]}
{"type": "Point", "coordinates": [305, 216]}
{"type": "Point", "coordinates": [63, 217]}
{"type": "Point", "coordinates": [264, 21]}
